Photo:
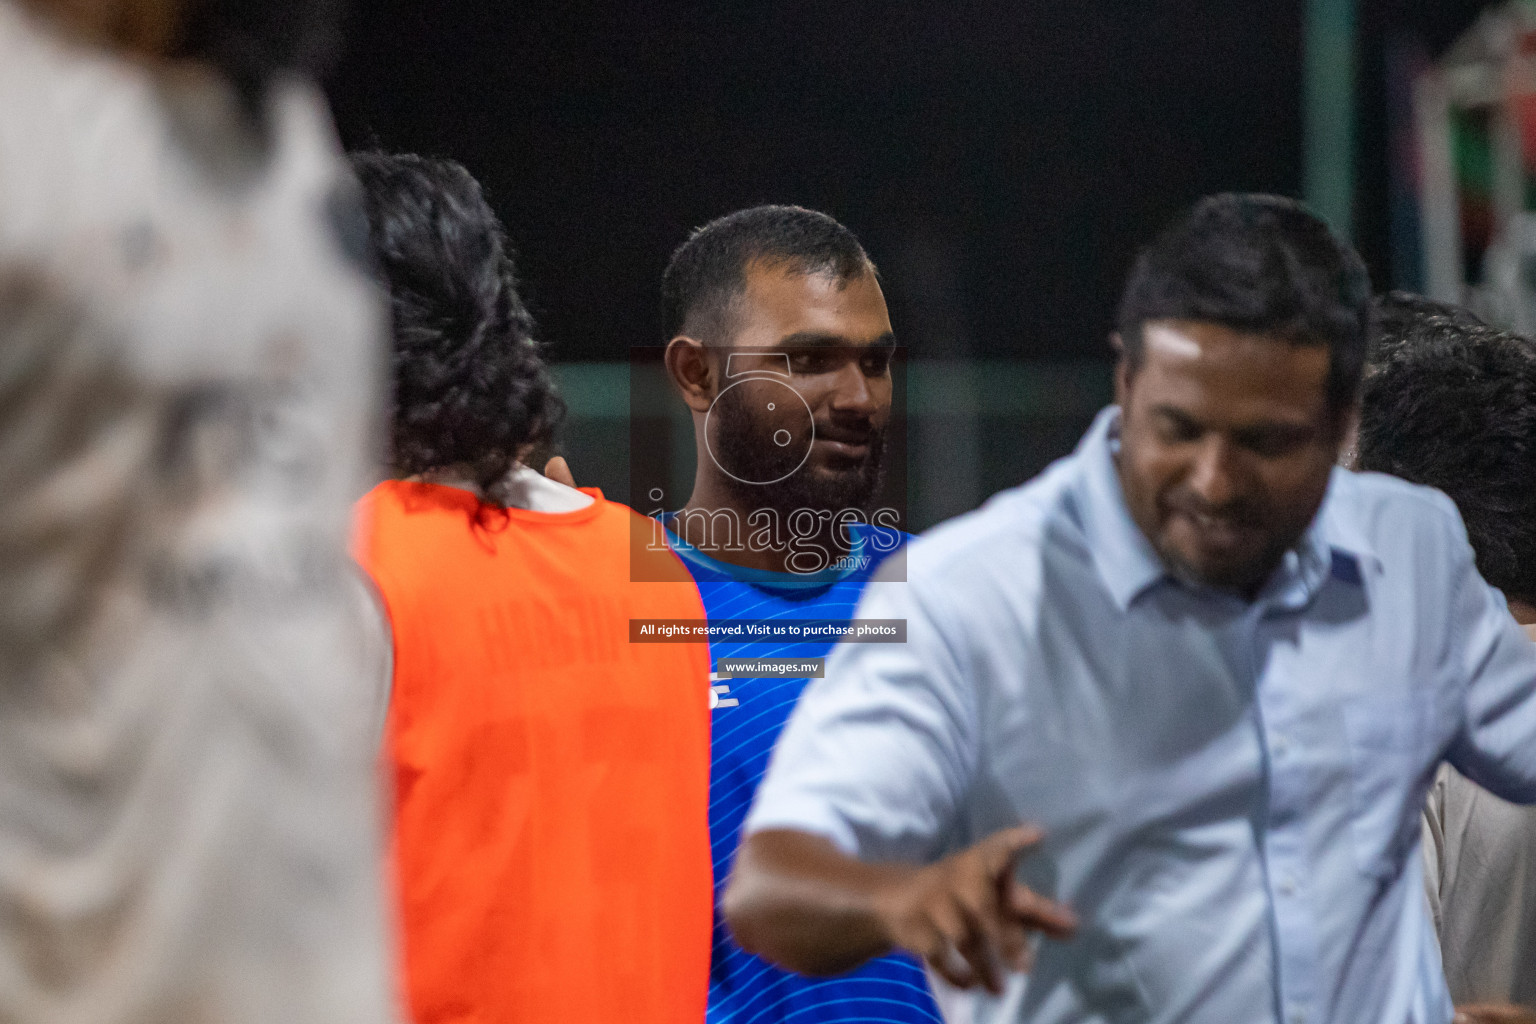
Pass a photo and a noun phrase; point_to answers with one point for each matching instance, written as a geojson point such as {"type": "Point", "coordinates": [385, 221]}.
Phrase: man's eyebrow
{"type": "Point", "coordinates": [1172, 412]}
{"type": "Point", "coordinates": [820, 339]}
{"type": "Point", "coordinates": [1284, 428]}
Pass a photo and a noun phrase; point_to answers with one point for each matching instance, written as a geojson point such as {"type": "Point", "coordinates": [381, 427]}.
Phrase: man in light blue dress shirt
{"type": "Point", "coordinates": [1176, 703]}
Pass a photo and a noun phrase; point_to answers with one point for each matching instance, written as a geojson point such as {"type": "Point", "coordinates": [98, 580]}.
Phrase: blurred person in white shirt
{"type": "Point", "coordinates": [188, 387]}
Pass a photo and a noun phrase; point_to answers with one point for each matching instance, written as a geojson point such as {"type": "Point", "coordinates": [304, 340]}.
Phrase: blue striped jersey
{"type": "Point", "coordinates": [748, 717]}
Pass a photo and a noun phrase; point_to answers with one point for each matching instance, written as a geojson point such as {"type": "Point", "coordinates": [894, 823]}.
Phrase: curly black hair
{"type": "Point", "coordinates": [1400, 316]}
{"type": "Point", "coordinates": [1451, 403]}
{"type": "Point", "coordinates": [471, 388]}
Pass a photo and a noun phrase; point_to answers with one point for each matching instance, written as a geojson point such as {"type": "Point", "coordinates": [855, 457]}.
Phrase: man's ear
{"type": "Point", "coordinates": [693, 372]}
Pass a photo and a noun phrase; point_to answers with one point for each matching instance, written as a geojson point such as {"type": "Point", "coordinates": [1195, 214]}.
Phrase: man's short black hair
{"type": "Point", "coordinates": [1453, 405]}
{"type": "Point", "coordinates": [470, 385]}
{"type": "Point", "coordinates": [710, 269]}
{"type": "Point", "coordinates": [1261, 265]}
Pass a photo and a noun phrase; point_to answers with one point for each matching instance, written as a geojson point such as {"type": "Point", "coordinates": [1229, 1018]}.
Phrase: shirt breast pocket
{"type": "Point", "coordinates": [1387, 738]}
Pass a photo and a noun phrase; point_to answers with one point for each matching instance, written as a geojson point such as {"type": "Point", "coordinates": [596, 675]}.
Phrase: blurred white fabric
{"type": "Point", "coordinates": [189, 369]}
{"type": "Point", "coordinates": [1480, 875]}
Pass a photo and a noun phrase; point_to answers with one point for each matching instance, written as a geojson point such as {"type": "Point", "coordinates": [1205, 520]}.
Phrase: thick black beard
{"type": "Point", "coordinates": [855, 489]}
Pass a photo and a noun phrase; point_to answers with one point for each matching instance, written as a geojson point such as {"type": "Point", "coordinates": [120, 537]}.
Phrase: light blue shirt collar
{"type": "Point", "coordinates": [1124, 558]}
{"type": "Point", "coordinates": [1130, 566]}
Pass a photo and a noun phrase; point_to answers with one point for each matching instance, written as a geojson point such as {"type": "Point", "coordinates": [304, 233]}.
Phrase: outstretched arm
{"type": "Point", "coordinates": [794, 898]}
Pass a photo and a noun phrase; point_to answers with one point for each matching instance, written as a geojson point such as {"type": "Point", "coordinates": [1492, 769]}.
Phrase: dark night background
{"type": "Point", "coordinates": [1000, 160]}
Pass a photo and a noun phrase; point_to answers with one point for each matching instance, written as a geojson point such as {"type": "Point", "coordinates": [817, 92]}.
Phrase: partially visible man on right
{"type": "Point", "coordinates": [1200, 675]}
{"type": "Point", "coordinates": [1452, 404]}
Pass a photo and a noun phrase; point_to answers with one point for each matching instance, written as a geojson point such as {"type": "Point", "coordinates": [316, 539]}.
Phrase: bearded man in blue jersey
{"type": "Point", "coordinates": [782, 348]}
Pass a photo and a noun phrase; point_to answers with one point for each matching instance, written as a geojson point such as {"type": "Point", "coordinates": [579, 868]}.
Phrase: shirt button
{"type": "Point", "coordinates": [1279, 746]}
{"type": "Point", "coordinates": [1288, 888]}
{"type": "Point", "coordinates": [1298, 1017]}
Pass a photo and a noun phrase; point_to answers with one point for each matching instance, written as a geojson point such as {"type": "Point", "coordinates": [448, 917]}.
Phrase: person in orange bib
{"type": "Point", "coordinates": [550, 777]}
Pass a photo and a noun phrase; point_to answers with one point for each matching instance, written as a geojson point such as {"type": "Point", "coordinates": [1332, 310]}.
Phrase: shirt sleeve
{"type": "Point", "coordinates": [878, 755]}
{"type": "Point", "coordinates": [1496, 744]}
{"type": "Point", "coordinates": [1434, 846]}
